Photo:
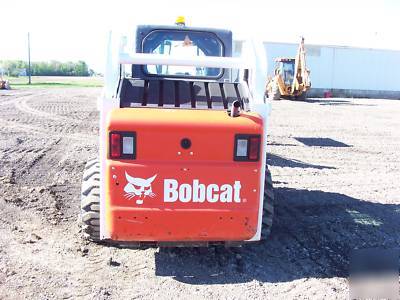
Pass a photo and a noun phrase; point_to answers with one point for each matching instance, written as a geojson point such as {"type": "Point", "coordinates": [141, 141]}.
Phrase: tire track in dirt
{"type": "Point", "coordinates": [75, 109]}
{"type": "Point", "coordinates": [48, 123]}
{"type": "Point", "coordinates": [41, 131]}
{"type": "Point", "coordinates": [23, 106]}
{"type": "Point", "coordinates": [4, 101]}
{"type": "Point", "coordinates": [24, 163]}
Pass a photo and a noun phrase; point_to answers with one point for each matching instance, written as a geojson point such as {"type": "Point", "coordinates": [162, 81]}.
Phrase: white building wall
{"type": "Point", "coordinates": [334, 67]}
{"type": "Point", "coordinates": [366, 69]}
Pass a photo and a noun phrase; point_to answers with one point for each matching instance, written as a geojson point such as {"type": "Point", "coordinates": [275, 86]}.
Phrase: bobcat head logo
{"type": "Point", "coordinates": [138, 188]}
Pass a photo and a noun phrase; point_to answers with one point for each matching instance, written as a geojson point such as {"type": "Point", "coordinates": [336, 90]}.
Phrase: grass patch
{"type": "Point", "coordinates": [54, 82]}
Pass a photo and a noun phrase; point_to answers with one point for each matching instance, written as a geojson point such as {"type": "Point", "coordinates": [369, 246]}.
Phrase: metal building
{"type": "Point", "coordinates": [344, 71]}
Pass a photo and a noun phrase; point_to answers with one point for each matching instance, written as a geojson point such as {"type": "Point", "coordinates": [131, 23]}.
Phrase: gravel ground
{"type": "Point", "coordinates": [335, 167]}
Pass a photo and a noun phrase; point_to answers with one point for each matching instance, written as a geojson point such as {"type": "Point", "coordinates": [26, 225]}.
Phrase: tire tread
{"type": "Point", "coordinates": [90, 201]}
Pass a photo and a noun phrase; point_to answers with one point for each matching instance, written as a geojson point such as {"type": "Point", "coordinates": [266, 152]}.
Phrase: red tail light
{"type": "Point", "coordinates": [247, 147]}
{"type": "Point", "coordinates": [122, 145]}
{"type": "Point", "coordinates": [115, 145]}
{"type": "Point", "coordinates": [254, 151]}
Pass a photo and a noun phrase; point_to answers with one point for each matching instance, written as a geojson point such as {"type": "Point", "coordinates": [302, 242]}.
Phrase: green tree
{"type": "Point", "coordinates": [47, 68]}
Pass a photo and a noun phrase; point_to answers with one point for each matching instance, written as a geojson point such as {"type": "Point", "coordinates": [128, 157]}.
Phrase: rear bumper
{"type": "Point", "coordinates": [181, 225]}
{"type": "Point", "coordinates": [185, 202]}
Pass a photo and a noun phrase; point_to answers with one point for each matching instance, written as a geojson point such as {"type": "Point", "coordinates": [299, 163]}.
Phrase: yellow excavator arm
{"type": "Point", "coordinates": [301, 81]}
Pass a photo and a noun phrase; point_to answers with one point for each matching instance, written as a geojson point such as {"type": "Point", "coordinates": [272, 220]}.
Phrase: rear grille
{"type": "Point", "coordinates": [181, 94]}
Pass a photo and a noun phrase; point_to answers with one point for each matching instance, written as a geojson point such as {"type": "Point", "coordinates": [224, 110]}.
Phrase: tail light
{"type": "Point", "coordinates": [254, 148]}
{"type": "Point", "coordinates": [115, 145]}
{"type": "Point", "coordinates": [247, 147]}
{"type": "Point", "coordinates": [122, 145]}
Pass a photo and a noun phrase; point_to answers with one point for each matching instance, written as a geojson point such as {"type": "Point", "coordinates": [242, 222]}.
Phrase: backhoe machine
{"type": "Point", "coordinates": [291, 78]}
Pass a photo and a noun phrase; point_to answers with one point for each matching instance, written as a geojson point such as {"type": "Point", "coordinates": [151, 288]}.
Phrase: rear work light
{"type": "Point", "coordinates": [122, 145]}
{"type": "Point", "coordinates": [247, 147]}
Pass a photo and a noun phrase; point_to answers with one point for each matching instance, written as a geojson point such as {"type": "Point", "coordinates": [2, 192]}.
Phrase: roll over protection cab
{"type": "Point", "coordinates": [182, 152]}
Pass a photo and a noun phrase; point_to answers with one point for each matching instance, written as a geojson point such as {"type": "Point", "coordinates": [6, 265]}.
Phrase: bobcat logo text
{"type": "Point", "coordinates": [173, 191]}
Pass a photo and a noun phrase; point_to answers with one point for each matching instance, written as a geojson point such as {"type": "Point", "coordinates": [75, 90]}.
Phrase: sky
{"type": "Point", "coordinates": [78, 29]}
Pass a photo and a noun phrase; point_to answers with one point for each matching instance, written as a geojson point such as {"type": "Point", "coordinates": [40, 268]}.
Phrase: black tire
{"type": "Point", "coordinates": [268, 205]}
{"type": "Point", "coordinates": [275, 94]}
{"type": "Point", "coordinates": [90, 201]}
{"type": "Point", "coordinates": [301, 97]}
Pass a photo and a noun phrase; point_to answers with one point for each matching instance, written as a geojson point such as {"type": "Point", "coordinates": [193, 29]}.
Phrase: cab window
{"type": "Point", "coordinates": [186, 44]}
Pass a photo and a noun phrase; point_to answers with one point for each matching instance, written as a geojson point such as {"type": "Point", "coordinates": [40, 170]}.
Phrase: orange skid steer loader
{"type": "Point", "coordinates": [182, 146]}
